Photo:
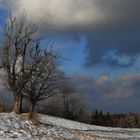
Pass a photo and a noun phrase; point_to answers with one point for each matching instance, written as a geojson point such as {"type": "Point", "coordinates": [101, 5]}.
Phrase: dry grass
{"type": "Point", "coordinates": [34, 118]}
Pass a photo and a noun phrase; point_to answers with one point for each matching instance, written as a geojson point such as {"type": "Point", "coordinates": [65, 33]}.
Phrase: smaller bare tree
{"type": "Point", "coordinates": [44, 81]}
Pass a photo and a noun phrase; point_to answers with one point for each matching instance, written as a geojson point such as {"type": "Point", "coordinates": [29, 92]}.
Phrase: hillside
{"type": "Point", "coordinates": [14, 127]}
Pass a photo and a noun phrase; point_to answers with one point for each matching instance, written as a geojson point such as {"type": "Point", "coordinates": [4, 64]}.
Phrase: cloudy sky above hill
{"type": "Point", "coordinates": [101, 38]}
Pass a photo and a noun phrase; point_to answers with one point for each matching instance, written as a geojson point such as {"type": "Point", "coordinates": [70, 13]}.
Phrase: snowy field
{"type": "Point", "coordinates": [14, 127]}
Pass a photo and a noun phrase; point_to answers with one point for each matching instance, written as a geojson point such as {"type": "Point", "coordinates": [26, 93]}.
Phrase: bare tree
{"type": "Point", "coordinates": [45, 80]}
{"type": "Point", "coordinates": [16, 48]}
{"type": "Point", "coordinates": [72, 100]}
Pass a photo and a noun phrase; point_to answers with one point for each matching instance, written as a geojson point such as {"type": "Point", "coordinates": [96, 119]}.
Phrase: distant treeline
{"type": "Point", "coordinates": [129, 120]}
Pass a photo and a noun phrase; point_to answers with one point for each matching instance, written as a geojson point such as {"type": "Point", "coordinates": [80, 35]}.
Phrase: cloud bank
{"type": "Point", "coordinates": [124, 87]}
{"type": "Point", "coordinates": [80, 13]}
{"type": "Point", "coordinates": [60, 14]}
{"type": "Point", "coordinates": [111, 27]}
{"type": "Point", "coordinates": [121, 94]}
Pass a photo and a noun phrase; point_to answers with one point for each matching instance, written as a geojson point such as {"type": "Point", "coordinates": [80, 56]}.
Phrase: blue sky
{"type": "Point", "coordinates": [100, 39]}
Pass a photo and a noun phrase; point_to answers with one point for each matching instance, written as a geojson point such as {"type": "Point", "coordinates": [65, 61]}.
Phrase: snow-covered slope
{"type": "Point", "coordinates": [17, 127]}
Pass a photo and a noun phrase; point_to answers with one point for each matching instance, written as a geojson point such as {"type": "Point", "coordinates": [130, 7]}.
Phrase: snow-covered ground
{"type": "Point", "coordinates": [15, 127]}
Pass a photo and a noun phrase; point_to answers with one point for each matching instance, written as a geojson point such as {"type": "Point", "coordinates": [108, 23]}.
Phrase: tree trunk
{"type": "Point", "coordinates": [17, 103]}
{"type": "Point", "coordinates": [31, 110]}
{"type": "Point", "coordinates": [20, 104]}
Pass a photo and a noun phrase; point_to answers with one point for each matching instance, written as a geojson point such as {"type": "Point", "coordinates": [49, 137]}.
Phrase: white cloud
{"type": "Point", "coordinates": [60, 14]}
{"type": "Point", "coordinates": [77, 13]}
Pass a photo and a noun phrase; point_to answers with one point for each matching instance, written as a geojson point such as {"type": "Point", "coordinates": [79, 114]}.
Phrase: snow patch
{"type": "Point", "coordinates": [14, 127]}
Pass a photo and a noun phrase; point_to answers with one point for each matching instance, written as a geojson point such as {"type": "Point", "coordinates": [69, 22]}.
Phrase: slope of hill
{"type": "Point", "coordinates": [14, 127]}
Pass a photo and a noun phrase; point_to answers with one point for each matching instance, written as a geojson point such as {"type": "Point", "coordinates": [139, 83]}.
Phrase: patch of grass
{"type": "Point", "coordinates": [34, 118]}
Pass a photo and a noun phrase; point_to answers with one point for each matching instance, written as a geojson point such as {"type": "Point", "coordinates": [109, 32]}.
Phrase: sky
{"type": "Point", "coordinates": [100, 40]}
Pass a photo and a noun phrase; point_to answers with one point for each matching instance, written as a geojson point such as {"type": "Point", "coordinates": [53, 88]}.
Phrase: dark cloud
{"type": "Point", "coordinates": [113, 49]}
{"type": "Point", "coordinates": [119, 15]}
{"type": "Point", "coordinates": [108, 26]}
{"type": "Point", "coordinates": [81, 14]}
{"type": "Point", "coordinates": [119, 32]}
